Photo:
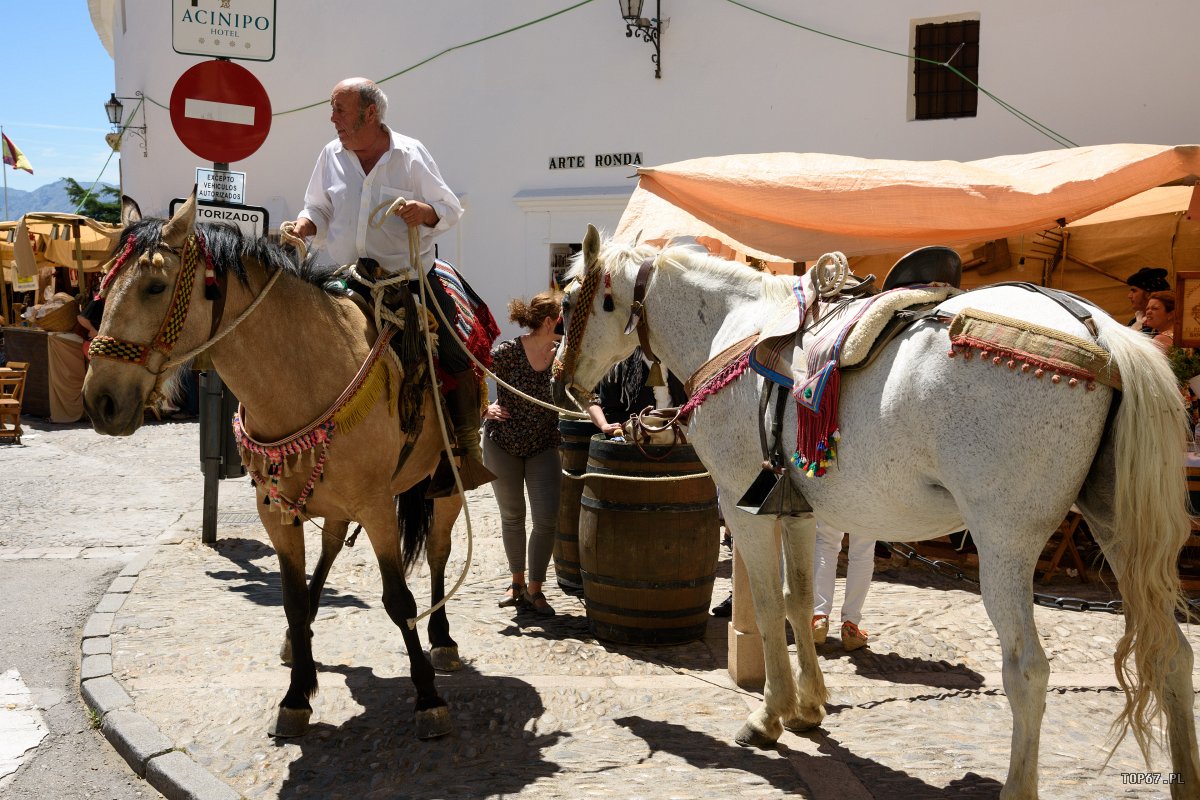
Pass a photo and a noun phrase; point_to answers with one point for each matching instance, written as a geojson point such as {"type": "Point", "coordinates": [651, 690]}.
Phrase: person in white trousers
{"type": "Point", "coordinates": [860, 565]}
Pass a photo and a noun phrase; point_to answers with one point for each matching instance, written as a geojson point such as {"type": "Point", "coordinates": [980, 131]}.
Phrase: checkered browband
{"type": "Point", "coordinates": [172, 325]}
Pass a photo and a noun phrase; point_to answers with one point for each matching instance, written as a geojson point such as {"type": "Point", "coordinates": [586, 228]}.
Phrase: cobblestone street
{"type": "Point", "coordinates": [542, 709]}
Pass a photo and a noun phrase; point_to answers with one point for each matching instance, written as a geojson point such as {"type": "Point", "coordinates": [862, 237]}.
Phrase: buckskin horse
{"type": "Point", "coordinates": [929, 444]}
{"type": "Point", "coordinates": [319, 427]}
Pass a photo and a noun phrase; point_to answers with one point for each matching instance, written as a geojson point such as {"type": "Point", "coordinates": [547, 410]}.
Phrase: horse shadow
{"type": "Point", "coordinates": [494, 751]}
{"type": "Point", "coordinates": [703, 751]}
{"type": "Point", "coordinates": [898, 669]}
{"type": "Point", "coordinates": [260, 585]}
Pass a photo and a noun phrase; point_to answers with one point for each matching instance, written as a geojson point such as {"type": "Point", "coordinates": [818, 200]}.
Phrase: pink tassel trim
{"type": "Point", "coordinates": [715, 384]}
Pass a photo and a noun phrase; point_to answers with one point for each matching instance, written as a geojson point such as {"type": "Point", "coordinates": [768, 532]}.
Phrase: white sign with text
{"type": "Point", "coordinates": [224, 28]}
{"type": "Point", "coordinates": [220, 185]}
{"type": "Point", "coordinates": [252, 221]}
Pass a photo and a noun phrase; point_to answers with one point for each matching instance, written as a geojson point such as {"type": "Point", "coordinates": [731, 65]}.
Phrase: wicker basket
{"type": "Point", "coordinates": [61, 319]}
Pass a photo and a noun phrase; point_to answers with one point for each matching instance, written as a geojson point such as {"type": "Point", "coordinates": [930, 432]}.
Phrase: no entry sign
{"type": "Point", "coordinates": [220, 111]}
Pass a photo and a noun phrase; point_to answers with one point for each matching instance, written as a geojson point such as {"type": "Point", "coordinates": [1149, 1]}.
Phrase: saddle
{"type": "Point", "coordinates": [805, 350]}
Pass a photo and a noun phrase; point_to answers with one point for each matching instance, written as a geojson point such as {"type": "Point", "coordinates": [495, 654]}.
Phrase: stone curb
{"type": "Point", "coordinates": [135, 738]}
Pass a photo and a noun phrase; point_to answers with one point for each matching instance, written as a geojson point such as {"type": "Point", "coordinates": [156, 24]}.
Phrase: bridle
{"type": "Point", "coordinates": [164, 341]}
{"type": "Point", "coordinates": [564, 370]}
{"type": "Point", "coordinates": [172, 326]}
{"type": "Point", "coordinates": [637, 320]}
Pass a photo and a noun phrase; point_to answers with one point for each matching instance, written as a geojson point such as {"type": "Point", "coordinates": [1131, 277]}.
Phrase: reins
{"type": "Point", "coordinates": [391, 206]}
{"type": "Point", "coordinates": [173, 322]}
{"type": "Point", "coordinates": [247, 311]}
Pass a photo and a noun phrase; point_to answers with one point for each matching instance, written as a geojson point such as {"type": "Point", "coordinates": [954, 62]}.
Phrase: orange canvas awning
{"type": "Point", "coordinates": [797, 206]}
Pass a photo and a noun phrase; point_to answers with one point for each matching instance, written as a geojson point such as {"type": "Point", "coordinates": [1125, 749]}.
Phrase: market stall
{"type": "Point", "coordinates": [50, 261]}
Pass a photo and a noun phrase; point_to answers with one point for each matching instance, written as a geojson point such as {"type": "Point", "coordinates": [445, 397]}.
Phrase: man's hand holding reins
{"type": "Point", "coordinates": [303, 228]}
{"type": "Point", "coordinates": [414, 213]}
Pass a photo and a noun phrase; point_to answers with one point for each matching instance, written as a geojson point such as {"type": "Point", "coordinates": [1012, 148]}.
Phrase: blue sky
{"type": "Point", "coordinates": [52, 103]}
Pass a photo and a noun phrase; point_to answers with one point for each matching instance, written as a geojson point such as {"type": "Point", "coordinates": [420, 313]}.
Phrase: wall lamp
{"type": "Point", "coordinates": [115, 110]}
{"type": "Point", "coordinates": [639, 27]}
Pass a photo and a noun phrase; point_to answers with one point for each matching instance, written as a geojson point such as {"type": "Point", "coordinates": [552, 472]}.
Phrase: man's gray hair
{"type": "Point", "coordinates": [369, 93]}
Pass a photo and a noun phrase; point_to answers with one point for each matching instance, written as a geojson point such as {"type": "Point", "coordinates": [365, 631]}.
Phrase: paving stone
{"type": "Point", "coordinates": [110, 603]}
{"type": "Point", "coordinates": [134, 737]}
{"type": "Point", "coordinates": [104, 694]}
{"type": "Point", "coordinates": [96, 645]}
{"type": "Point", "coordinates": [98, 624]}
{"type": "Point", "coordinates": [95, 666]}
{"type": "Point", "coordinates": [180, 778]}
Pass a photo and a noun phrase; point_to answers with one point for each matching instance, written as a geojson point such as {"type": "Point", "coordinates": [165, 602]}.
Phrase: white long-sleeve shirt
{"type": "Point", "coordinates": [340, 198]}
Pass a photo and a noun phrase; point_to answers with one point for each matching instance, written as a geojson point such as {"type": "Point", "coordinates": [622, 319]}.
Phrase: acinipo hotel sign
{"type": "Point", "coordinates": [224, 28]}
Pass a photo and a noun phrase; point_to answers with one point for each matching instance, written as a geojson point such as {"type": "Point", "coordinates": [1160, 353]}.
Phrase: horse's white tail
{"type": "Point", "coordinates": [1151, 523]}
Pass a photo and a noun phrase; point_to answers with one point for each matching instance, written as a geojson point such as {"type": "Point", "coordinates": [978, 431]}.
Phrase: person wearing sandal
{"type": "Point", "coordinates": [520, 447]}
{"type": "Point", "coordinates": [860, 565]}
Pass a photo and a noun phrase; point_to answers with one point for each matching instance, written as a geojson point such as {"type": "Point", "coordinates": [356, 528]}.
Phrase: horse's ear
{"type": "Point", "coordinates": [591, 246]}
{"type": "Point", "coordinates": [131, 212]}
{"type": "Point", "coordinates": [179, 227]}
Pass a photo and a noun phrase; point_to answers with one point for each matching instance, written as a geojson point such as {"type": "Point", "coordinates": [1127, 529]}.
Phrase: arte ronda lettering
{"type": "Point", "coordinates": [618, 159]}
{"type": "Point", "coordinates": [222, 19]}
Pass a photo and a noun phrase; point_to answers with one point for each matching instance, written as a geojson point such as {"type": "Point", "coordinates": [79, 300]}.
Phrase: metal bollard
{"type": "Point", "coordinates": [218, 449]}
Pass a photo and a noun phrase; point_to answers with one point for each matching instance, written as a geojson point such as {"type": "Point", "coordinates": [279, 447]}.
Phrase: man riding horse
{"type": "Point", "coordinates": [369, 164]}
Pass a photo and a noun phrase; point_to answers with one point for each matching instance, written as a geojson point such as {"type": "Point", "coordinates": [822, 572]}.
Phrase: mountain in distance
{"type": "Point", "coordinates": [51, 197]}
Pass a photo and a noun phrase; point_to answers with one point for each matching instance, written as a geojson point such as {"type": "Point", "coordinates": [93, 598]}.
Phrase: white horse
{"type": "Point", "coordinates": [930, 445]}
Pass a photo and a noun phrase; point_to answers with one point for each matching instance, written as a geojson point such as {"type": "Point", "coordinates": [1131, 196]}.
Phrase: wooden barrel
{"type": "Point", "coordinates": [573, 452]}
{"type": "Point", "coordinates": [647, 548]}
{"type": "Point", "coordinates": [576, 438]}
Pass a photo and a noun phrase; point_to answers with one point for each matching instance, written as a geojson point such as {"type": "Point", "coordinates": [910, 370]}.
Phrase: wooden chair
{"type": "Point", "coordinates": [12, 390]}
{"type": "Point", "coordinates": [1066, 544]}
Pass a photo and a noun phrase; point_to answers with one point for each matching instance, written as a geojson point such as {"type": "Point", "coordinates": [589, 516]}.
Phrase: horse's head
{"type": "Point", "coordinates": [595, 338]}
{"type": "Point", "coordinates": [154, 307]}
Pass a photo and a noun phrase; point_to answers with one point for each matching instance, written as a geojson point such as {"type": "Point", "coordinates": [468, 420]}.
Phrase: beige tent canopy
{"type": "Point", "coordinates": [48, 239]}
{"type": "Point", "coordinates": [1033, 208]}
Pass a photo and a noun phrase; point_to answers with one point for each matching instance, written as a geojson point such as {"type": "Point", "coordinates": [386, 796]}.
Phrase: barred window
{"type": "Point", "coordinates": [939, 92]}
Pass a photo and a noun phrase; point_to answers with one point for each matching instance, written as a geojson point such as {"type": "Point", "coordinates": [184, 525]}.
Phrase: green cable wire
{"type": "Point", "coordinates": [1046, 131]}
{"type": "Point", "coordinates": [427, 60]}
{"type": "Point", "coordinates": [108, 160]}
{"type": "Point", "coordinates": [452, 49]}
{"type": "Point", "coordinates": [88, 193]}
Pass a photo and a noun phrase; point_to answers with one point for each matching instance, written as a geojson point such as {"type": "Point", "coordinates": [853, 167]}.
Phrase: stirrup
{"type": "Point", "coordinates": [471, 472]}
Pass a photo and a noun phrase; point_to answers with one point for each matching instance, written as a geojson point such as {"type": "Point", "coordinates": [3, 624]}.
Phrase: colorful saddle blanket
{"type": "Point", "coordinates": [474, 322]}
{"type": "Point", "coordinates": [834, 335]}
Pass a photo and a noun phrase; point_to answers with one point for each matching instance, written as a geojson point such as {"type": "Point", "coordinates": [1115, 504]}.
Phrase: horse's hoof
{"type": "Point", "coordinates": [749, 737]}
{"type": "Point", "coordinates": [800, 724]}
{"type": "Point", "coordinates": [445, 659]}
{"type": "Point", "coordinates": [433, 723]}
{"type": "Point", "coordinates": [291, 722]}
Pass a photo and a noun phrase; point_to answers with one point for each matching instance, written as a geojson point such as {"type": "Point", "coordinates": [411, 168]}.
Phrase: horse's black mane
{"type": "Point", "coordinates": [227, 246]}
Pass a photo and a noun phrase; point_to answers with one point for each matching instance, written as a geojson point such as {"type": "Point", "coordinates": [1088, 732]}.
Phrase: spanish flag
{"type": "Point", "coordinates": [12, 156]}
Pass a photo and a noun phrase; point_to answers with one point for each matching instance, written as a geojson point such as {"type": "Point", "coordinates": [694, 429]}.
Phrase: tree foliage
{"type": "Point", "coordinates": [104, 205]}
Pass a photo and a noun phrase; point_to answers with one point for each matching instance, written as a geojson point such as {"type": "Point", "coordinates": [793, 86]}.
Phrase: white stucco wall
{"type": "Point", "coordinates": [492, 114]}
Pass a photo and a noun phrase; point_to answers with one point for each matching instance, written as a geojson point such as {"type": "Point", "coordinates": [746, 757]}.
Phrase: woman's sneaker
{"type": "Point", "coordinates": [853, 637]}
{"type": "Point", "coordinates": [820, 626]}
